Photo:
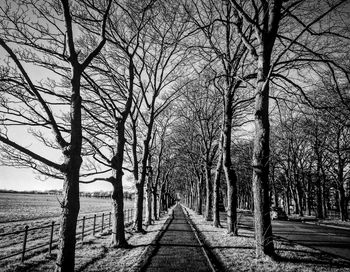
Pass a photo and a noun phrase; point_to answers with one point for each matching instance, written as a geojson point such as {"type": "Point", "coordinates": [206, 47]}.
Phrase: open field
{"type": "Point", "coordinates": [95, 254]}
{"type": "Point", "coordinates": [40, 213]}
{"type": "Point", "coordinates": [23, 207]}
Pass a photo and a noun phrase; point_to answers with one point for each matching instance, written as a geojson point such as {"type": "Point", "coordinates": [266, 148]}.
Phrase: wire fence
{"type": "Point", "coordinates": [45, 238]}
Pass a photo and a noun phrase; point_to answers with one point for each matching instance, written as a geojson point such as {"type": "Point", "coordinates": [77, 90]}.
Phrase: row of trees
{"type": "Point", "coordinates": [80, 80]}
{"type": "Point", "coordinates": [310, 163]}
{"type": "Point", "coordinates": [168, 92]}
{"type": "Point", "coordinates": [298, 49]}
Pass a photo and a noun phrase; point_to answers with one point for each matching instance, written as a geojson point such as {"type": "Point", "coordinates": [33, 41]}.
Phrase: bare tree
{"type": "Point", "coordinates": [269, 50]}
{"type": "Point", "coordinates": [225, 53]}
{"type": "Point", "coordinates": [43, 35]}
{"type": "Point", "coordinates": [114, 88]}
{"type": "Point", "coordinates": [162, 57]}
{"type": "Point", "coordinates": [203, 113]}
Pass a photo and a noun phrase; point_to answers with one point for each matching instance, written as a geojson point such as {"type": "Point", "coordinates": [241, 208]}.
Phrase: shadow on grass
{"type": "Point", "coordinates": [319, 259]}
{"type": "Point", "coordinates": [34, 264]}
{"type": "Point", "coordinates": [93, 260]}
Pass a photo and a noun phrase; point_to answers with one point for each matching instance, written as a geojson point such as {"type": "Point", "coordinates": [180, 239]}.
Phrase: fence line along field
{"type": "Point", "coordinates": [37, 212]}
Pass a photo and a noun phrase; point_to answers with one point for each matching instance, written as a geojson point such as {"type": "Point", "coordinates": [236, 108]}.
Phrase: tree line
{"type": "Point", "coordinates": [240, 101]}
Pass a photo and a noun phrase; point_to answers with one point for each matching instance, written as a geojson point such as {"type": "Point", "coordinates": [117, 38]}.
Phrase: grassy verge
{"type": "Point", "coordinates": [238, 253]}
{"type": "Point", "coordinates": [95, 254]}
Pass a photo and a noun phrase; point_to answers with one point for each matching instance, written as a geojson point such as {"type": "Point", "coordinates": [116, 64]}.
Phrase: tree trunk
{"type": "Point", "coordinates": [288, 201]}
{"type": "Point", "coordinates": [155, 202]}
{"type": "Point", "coordinates": [160, 200]}
{"type": "Point", "coordinates": [141, 183]}
{"type": "Point", "coordinates": [138, 218]}
{"type": "Point", "coordinates": [194, 196]}
{"type": "Point", "coordinates": [299, 193]}
{"type": "Point", "coordinates": [232, 226]}
{"type": "Point", "coordinates": [149, 196]}
{"type": "Point", "coordinates": [230, 175]}
{"type": "Point", "coordinates": [319, 193]}
{"type": "Point", "coordinates": [216, 187]}
{"type": "Point", "coordinates": [167, 201]}
{"type": "Point", "coordinates": [275, 195]}
{"type": "Point", "coordinates": [118, 231]}
{"type": "Point", "coordinates": [308, 193]}
{"type": "Point", "coordinates": [70, 209]}
{"type": "Point", "coordinates": [343, 204]}
{"type": "Point", "coordinates": [296, 201]}
{"type": "Point", "coordinates": [199, 195]}
{"type": "Point", "coordinates": [70, 204]}
{"type": "Point", "coordinates": [149, 206]}
{"type": "Point", "coordinates": [261, 153]}
{"type": "Point", "coordinates": [209, 195]}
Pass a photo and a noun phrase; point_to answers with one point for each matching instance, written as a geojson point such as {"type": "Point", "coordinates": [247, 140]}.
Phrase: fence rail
{"type": "Point", "coordinates": [87, 225]}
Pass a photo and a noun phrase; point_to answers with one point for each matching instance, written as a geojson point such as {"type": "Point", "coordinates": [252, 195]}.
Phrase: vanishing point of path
{"type": "Point", "coordinates": [178, 248]}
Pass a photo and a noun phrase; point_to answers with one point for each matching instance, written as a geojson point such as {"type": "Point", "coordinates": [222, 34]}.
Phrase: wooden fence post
{"type": "Point", "coordinates": [82, 230]}
{"type": "Point", "coordinates": [51, 236]}
{"type": "Point", "coordinates": [103, 219]}
{"type": "Point", "coordinates": [93, 229]}
{"type": "Point", "coordinates": [25, 241]}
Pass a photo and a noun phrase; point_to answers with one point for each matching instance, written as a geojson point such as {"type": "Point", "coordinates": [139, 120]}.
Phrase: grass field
{"type": "Point", "coordinates": [38, 212]}
{"type": "Point", "coordinates": [24, 207]}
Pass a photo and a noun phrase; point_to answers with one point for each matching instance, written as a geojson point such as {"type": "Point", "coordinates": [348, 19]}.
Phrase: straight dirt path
{"type": "Point", "coordinates": [178, 248]}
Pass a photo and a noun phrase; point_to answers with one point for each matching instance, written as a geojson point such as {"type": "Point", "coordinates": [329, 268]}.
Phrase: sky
{"type": "Point", "coordinates": [21, 179]}
{"type": "Point", "coordinates": [25, 180]}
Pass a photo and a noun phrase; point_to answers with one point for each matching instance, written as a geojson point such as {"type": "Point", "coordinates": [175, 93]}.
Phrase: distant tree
{"type": "Point", "coordinates": [187, 147]}
{"type": "Point", "coordinates": [160, 138]}
{"type": "Point", "coordinates": [223, 51]}
{"type": "Point", "coordinates": [160, 77]}
{"type": "Point", "coordinates": [202, 119]}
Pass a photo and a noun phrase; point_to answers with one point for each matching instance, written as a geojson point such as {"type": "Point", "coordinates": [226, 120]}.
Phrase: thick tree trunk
{"type": "Point", "coordinates": [168, 201]}
{"type": "Point", "coordinates": [141, 182]}
{"type": "Point", "coordinates": [319, 197]}
{"type": "Point", "coordinates": [194, 195]}
{"type": "Point", "coordinates": [216, 187]}
{"type": "Point", "coordinates": [118, 231]}
{"type": "Point", "coordinates": [232, 226]}
{"type": "Point", "coordinates": [70, 203]}
{"type": "Point", "coordinates": [343, 204]}
{"type": "Point", "coordinates": [155, 202]}
{"type": "Point", "coordinates": [261, 153]}
{"type": "Point", "coordinates": [230, 175]}
{"type": "Point", "coordinates": [209, 195]}
{"type": "Point", "coordinates": [70, 209]}
{"type": "Point", "coordinates": [138, 218]}
{"type": "Point", "coordinates": [160, 200]}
